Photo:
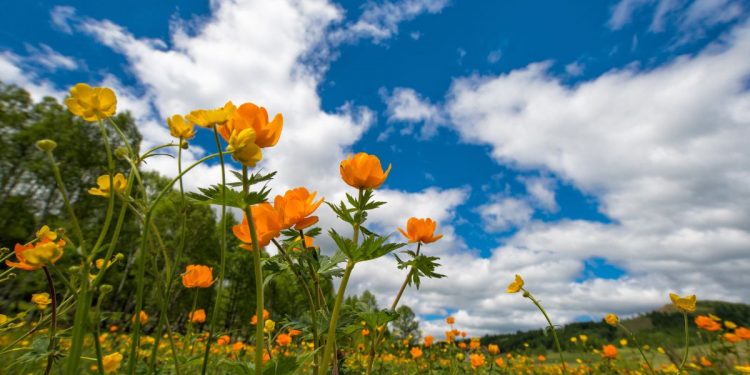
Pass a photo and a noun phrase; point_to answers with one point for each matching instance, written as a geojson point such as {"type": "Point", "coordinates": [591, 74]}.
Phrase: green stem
{"type": "Point", "coordinates": [66, 200]}
{"type": "Point", "coordinates": [551, 327]}
{"type": "Point", "coordinates": [259, 304]}
{"type": "Point", "coordinates": [53, 322]}
{"type": "Point", "coordinates": [638, 345]}
{"type": "Point", "coordinates": [190, 320]}
{"type": "Point", "coordinates": [331, 339]}
{"type": "Point", "coordinates": [222, 254]}
{"type": "Point", "coordinates": [687, 341]}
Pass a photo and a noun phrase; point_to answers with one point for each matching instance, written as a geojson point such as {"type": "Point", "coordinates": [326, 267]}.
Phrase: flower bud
{"type": "Point", "coordinates": [526, 294]}
{"type": "Point", "coordinates": [119, 257]}
{"type": "Point", "coordinates": [106, 288]}
{"type": "Point", "coordinates": [184, 144]}
{"type": "Point", "coordinates": [46, 144]}
{"type": "Point", "coordinates": [121, 152]}
{"type": "Point", "coordinates": [4, 250]}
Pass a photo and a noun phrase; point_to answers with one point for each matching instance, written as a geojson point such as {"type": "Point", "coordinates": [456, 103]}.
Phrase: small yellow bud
{"type": "Point", "coordinates": [46, 144]}
{"type": "Point", "coordinates": [121, 152]}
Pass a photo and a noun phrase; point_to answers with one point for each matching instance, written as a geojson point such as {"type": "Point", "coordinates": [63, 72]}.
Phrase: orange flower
{"type": "Point", "coordinates": [462, 345]}
{"type": "Point", "coordinates": [198, 316]}
{"type": "Point", "coordinates": [731, 337]}
{"type": "Point", "coordinates": [450, 320]}
{"type": "Point", "coordinates": [294, 332]}
{"type": "Point", "coordinates": [499, 362]}
{"type": "Point", "coordinates": [365, 332]}
{"type": "Point", "coordinates": [250, 116]}
{"type": "Point", "coordinates": [309, 244]}
{"type": "Point", "coordinates": [237, 346]}
{"type": "Point", "coordinates": [541, 358]}
{"type": "Point", "coordinates": [197, 276]}
{"type": "Point", "coordinates": [363, 171]}
{"type": "Point", "coordinates": [223, 340]}
{"type": "Point", "coordinates": [415, 352]}
{"type": "Point", "coordinates": [295, 208]}
{"type": "Point", "coordinates": [142, 317]}
{"type": "Point", "coordinates": [254, 320]}
{"type": "Point", "coordinates": [609, 351]}
{"type": "Point", "coordinates": [705, 362]}
{"type": "Point", "coordinates": [477, 360]}
{"type": "Point", "coordinates": [428, 341]}
{"type": "Point", "coordinates": [493, 349]}
{"type": "Point", "coordinates": [474, 344]}
{"type": "Point", "coordinates": [742, 333]}
{"type": "Point", "coordinates": [267, 226]}
{"type": "Point", "coordinates": [35, 256]}
{"type": "Point", "coordinates": [706, 323]}
{"type": "Point", "coordinates": [283, 339]}
{"type": "Point", "coordinates": [420, 230]}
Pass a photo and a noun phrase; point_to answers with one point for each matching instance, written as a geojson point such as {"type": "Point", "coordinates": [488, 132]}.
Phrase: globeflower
{"type": "Point", "coordinates": [197, 316]}
{"type": "Point", "coordinates": [35, 256]}
{"type": "Point", "coordinates": [243, 148]}
{"type": "Point", "coordinates": [493, 349]}
{"type": "Point", "coordinates": [612, 319]}
{"type": "Point", "coordinates": [197, 276]}
{"type": "Point", "coordinates": [363, 171]}
{"type": "Point", "coordinates": [180, 128]}
{"type": "Point", "coordinates": [450, 320]}
{"type": "Point", "coordinates": [420, 230]}
{"type": "Point", "coordinates": [415, 352]}
{"type": "Point", "coordinates": [223, 340]}
{"type": "Point", "coordinates": [742, 333]}
{"type": "Point", "coordinates": [296, 207]}
{"type": "Point", "coordinates": [111, 362]}
{"type": "Point", "coordinates": [254, 320]}
{"type": "Point", "coordinates": [477, 360]}
{"type": "Point", "coordinates": [44, 233]}
{"type": "Point", "coordinates": [41, 300]}
{"type": "Point", "coordinates": [516, 285]}
{"type": "Point", "coordinates": [91, 103]}
{"type": "Point", "coordinates": [267, 222]}
{"type": "Point", "coordinates": [283, 339]}
{"type": "Point", "coordinates": [685, 304]}
{"type": "Point", "coordinates": [142, 317]}
{"type": "Point", "coordinates": [250, 116]}
{"type": "Point", "coordinates": [209, 117]}
{"type": "Point", "coordinates": [428, 341]}
{"type": "Point", "coordinates": [104, 190]}
{"type": "Point", "coordinates": [609, 351]}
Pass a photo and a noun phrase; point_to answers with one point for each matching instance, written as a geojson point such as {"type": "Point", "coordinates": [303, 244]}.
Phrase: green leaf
{"type": "Point", "coordinates": [373, 247]}
{"type": "Point", "coordinates": [213, 195]}
{"type": "Point", "coordinates": [345, 245]}
{"type": "Point", "coordinates": [329, 265]}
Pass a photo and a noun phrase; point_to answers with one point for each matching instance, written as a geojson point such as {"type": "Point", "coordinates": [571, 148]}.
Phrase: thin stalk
{"type": "Point", "coordinates": [551, 327]}
{"type": "Point", "coordinates": [687, 341]}
{"type": "Point", "coordinates": [66, 200]}
{"type": "Point", "coordinates": [190, 319]}
{"type": "Point", "coordinates": [258, 280]}
{"type": "Point", "coordinates": [99, 354]}
{"type": "Point", "coordinates": [638, 345]}
{"type": "Point", "coordinates": [222, 254]}
{"type": "Point", "coordinates": [331, 339]}
{"type": "Point", "coordinates": [53, 321]}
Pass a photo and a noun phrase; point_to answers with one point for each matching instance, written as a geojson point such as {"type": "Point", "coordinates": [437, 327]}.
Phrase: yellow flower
{"type": "Point", "coordinates": [477, 360]}
{"type": "Point", "coordinates": [209, 117]}
{"type": "Point", "coordinates": [583, 338]}
{"type": "Point", "coordinates": [574, 339]}
{"type": "Point", "coordinates": [3, 319]}
{"type": "Point", "coordinates": [742, 369]}
{"type": "Point", "coordinates": [119, 181]}
{"type": "Point", "coordinates": [91, 103]}
{"type": "Point", "coordinates": [112, 362]}
{"type": "Point", "coordinates": [250, 116]}
{"type": "Point", "coordinates": [243, 148]}
{"type": "Point", "coordinates": [612, 319]}
{"type": "Point", "coordinates": [268, 326]}
{"type": "Point", "coordinates": [45, 232]}
{"type": "Point", "coordinates": [180, 128]}
{"type": "Point", "coordinates": [686, 304]}
{"type": "Point", "coordinates": [516, 285]}
{"type": "Point", "coordinates": [730, 324]}
{"type": "Point", "coordinates": [41, 300]}
{"type": "Point", "coordinates": [623, 342]}
{"type": "Point", "coordinates": [35, 256]}
{"type": "Point", "coordinates": [493, 349]}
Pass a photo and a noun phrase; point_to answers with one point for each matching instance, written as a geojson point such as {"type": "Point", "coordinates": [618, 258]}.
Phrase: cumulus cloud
{"type": "Point", "coordinates": [504, 213]}
{"type": "Point", "coordinates": [664, 153]}
{"type": "Point", "coordinates": [405, 105]}
{"type": "Point", "coordinates": [13, 69]}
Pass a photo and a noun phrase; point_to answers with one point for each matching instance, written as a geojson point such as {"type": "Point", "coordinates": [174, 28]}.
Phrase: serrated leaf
{"type": "Point", "coordinates": [213, 195]}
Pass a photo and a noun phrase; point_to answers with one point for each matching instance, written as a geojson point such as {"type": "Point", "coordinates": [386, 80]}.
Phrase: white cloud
{"type": "Point", "coordinates": [14, 70]}
{"type": "Point", "coordinates": [504, 213]}
{"type": "Point", "coordinates": [691, 16]}
{"type": "Point", "coordinates": [574, 69]}
{"type": "Point", "coordinates": [61, 16]}
{"type": "Point", "coordinates": [380, 20]}
{"type": "Point", "coordinates": [664, 153]}
{"type": "Point", "coordinates": [494, 56]}
{"type": "Point", "coordinates": [407, 106]}
{"type": "Point", "coordinates": [542, 192]}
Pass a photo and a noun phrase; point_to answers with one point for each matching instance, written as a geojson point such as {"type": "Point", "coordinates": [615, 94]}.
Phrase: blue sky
{"type": "Point", "coordinates": [551, 138]}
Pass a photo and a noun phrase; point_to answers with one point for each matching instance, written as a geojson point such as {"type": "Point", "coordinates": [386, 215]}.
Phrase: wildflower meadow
{"type": "Point", "coordinates": [181, 317]}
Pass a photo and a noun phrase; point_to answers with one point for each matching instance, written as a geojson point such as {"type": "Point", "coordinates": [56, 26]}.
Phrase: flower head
{"type": "Point", "coordinates": [35, 256]}
{"type": "Point", "coordinates": [612, 319]}
{"type": "Point", "coordinates": [296, 207]}
{"type": "Point", "coordinates": [250, 116]}
{"type": "Point", "coordinates": [41, 300]}
{"type": "Point", "coordinates": [516, 285]}
{"type": "Point", "coordinates": [254, 320]}
{"type": "Point", "coordinates": [267, 226]}
{"type": "Point", "coordinates": [268, 326]}
{"type": "Point", "coordinates": [450, 320]}
{"type": "Point", "coordinates": [609, 351]}
{"type": "Point", "coordinates": [420, 230]}
{"type": "Point", "coordinates": [477, 360]}
{"type": "Point", "coordinates": [706, 323]}
{"type": "Point", "coordinates": [428, 340]}
{"type": "Point", "coordinates": [209, 117]}
{"type": "Point", "coordinates": [493, 349]}
{"type": "Point", "coordinates": [415, 352]}
{"type": "Point", "coordinates": [742, 333]}
{"type": "Point", "coordinates": [223, 340]}
{"type": "Point", "coordinates": [685, 304]}
{"type": "Point", "coordinates": [197, 316]}
{"type": "Point", "coordinates": [180, 128]}
{"type": "Point", "coordinates": [243, 148]}
{"type": "Point", "coordinates": [91, 103]}
{"type": "Point", "coordinates": [197, 276]}
{"type": "Point", "coordinates": [363, 171]}
{"type": "Point", "coordinates": [103, 190]}
{"type": "Point", "coordinates": [142, 317]}
{"type": "Point", "coordinates": [283, 339]}
{"type": "Point", "coordinates": [45, 233]}
{"type": "Point", "coordinates": [111, 362]}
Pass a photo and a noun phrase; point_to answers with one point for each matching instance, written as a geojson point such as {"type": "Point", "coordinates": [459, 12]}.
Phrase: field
{"type": "Point", "coordinates": [132, 274]}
